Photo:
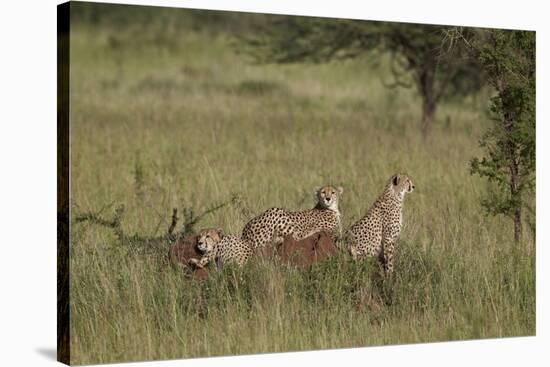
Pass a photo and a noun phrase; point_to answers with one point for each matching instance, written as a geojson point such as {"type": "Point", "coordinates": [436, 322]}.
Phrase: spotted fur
{"type": "Point", "coordinates": [274, 224]}
{"type": "Point", "coordinates": [220, 248]}
{"type": "Point", "coordinates": [377, 232]}
{"type": "Point", "coordinates": [270, 227]}
{"type": "Point", "coordinates": [325, 216]}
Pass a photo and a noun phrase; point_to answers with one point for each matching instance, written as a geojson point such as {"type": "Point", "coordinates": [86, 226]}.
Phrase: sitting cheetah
{"type": "Point", "coordinates": [220, 248]}
{"type": "Point", "coordinates": [377, 232]}
{"type": "Point", "coordinates": [274, 224]}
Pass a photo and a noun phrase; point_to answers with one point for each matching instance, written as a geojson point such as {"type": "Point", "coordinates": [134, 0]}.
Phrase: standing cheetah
{"type": "Point", "coordinates": [221, 248]}
{"type": "Point", "coordinates": [274, 224]}
{"type": "Point", "coordinates": [377, 232]}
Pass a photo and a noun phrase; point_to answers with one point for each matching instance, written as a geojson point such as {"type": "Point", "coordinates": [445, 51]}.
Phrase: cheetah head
{"type": "Point", "coordinates": [208, 238]}
{"type": "Point", "coordinates": [327, 197]}
{"type": "Point", "coordinates": [401, 184]}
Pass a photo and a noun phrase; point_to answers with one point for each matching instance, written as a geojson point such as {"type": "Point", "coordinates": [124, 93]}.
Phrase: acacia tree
{"type": "Point", "coordinates": [415, 49]}
{"type": "Point", "coordinates": [508, 58]}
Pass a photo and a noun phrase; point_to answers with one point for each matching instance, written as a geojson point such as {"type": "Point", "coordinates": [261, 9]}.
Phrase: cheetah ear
{"type": "Point", "coordinates": [317, 189]}
{"type": "Point", "coordinates": [340, 190]}
{"type": "Point", "coordinates": [220, 232]}
{"type": "Point", "coordinates": [396, 179]}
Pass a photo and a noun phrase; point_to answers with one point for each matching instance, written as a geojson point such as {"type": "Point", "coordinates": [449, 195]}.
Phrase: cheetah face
{"type": "Point", "coordinates": [208, 238]}
{"type": "Point", "coordinates": [402, 184]}
{"type": "Point", "coordinates": [327, 197]}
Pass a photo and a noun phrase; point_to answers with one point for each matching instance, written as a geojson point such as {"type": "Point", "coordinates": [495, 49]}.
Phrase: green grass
{"type": "Point", "coordinates": [162, 120]}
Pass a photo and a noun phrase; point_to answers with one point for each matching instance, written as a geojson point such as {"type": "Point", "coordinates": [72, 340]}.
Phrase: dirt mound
{"type": "Point", "coordinates": [302, 254]}
{"type": "Point", "coordinates": [184, 250]}
{"type": "Point", "coordinates": [307, 251]}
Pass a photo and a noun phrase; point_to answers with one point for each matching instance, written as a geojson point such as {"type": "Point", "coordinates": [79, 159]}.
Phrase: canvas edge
{"type": "Point", "coordinates": [63, 221]}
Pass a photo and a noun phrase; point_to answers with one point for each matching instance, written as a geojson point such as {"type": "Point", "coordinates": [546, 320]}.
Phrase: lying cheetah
{"type": "Point", "coordinates": [220, 248]}
{"type": "Point", "coordinates": [377, 232]}
{"type": "Point", "coordinates": [274, 224]}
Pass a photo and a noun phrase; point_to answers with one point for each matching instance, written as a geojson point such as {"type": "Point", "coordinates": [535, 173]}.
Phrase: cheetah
{"type": "Point", "coordinates": [269, 227]}
{"type": "Point", "coordinates": [377, 232]}
{"type": "Point", "coordinates": [220, 248]}
{"type": "Point", "coordinates": [274, 224]}
{"type": "Point", "coordinates": [325, 216]}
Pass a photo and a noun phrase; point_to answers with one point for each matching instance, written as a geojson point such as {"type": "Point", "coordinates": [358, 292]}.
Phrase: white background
{"type": "Point", "coordinates": [28, 181]}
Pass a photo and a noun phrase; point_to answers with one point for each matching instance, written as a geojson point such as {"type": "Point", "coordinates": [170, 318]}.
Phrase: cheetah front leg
{"type": "Point", "coordinates": [387, 258]}
{"type": "Point", "coordinates": [354, 252]}
{"type": "Point", "coordinates": [389, 240]}
{"type": "Point", "coordinates": [337, 235]}
{"type": "Point", "coordinates": [347, 242]}
{"type": "Point", "coordinates": [200, 263]}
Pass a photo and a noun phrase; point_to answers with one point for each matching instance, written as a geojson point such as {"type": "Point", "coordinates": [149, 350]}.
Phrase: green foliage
{"type": "Point", "coordinates": [468, 80]}
{"type": "Point", "coordinates": [508, 58]}
{"type": "Point", "coordinates": [286, 39]}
